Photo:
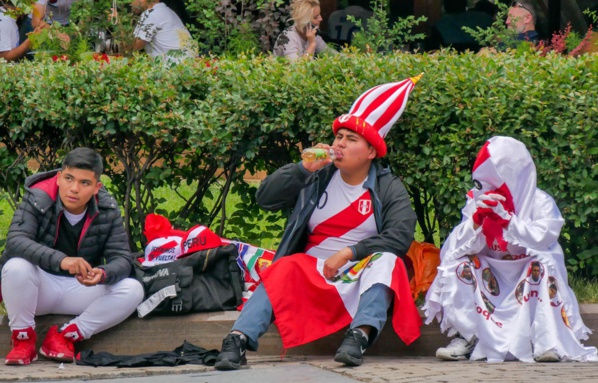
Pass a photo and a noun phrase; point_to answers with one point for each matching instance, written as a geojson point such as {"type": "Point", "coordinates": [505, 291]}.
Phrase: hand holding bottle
{"type": "Point", "coordinates": [317, 157]}
{"type": "Point", "coordinates": [317, 154]}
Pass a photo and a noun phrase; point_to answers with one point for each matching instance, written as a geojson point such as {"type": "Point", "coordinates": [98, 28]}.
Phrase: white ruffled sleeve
{"type": "Point", "coordinates": [463, 240]}
{"type": "Point", "coordinates": [540, 232]}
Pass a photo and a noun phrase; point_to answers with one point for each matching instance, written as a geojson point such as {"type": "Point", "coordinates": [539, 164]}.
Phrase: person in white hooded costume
{"type": "Point", "coordinates": [502, 283]}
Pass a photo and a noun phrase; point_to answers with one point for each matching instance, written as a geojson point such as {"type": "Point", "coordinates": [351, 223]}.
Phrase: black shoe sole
{"type": "Point", "coordinates": [343, 357]}
{"type": "Point", "coordinates": [227, 365]}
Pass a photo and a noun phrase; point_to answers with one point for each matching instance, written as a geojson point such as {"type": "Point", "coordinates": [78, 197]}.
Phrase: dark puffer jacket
{"type": "Point", "coordinates": [34, 229]}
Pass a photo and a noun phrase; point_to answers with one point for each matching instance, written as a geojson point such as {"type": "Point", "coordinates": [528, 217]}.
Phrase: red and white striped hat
{"type": "Point", "coordinates": [375, 112]}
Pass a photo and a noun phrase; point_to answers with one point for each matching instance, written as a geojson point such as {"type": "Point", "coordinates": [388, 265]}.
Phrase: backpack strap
{"type": "Point", "coordinates": [236, 276]}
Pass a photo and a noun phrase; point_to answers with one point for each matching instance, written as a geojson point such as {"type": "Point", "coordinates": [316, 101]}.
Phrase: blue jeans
{"type": "Point", "coordinates": [257, 315]}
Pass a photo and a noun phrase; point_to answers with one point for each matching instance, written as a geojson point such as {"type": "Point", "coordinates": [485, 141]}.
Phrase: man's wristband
{"type": "Point", "coordinates": [103, 276]}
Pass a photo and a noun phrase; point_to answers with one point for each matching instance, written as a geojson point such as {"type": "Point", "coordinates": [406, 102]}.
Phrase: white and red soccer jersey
{"type": "Point", "coordinates": [343, 217]}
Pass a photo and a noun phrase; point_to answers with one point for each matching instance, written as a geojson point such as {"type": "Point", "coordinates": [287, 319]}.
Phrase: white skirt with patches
{"type": "Point", "coordinates": [517, 309]}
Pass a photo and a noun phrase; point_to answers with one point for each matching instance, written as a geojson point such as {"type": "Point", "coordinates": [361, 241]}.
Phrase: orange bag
{"type": "Point", "coordinates": [424, 258]}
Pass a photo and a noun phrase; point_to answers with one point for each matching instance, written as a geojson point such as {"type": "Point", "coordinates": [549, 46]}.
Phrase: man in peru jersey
{"type": "Point", "coordinates": [339, 262]}
{"type": "Point", "coordinates": [67, 252]}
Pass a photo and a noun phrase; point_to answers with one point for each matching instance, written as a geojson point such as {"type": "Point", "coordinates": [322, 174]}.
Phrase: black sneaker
{"type": "Point", "coordinates": [232, 354]}
{"type": "Point", "coordinates": [351, 350]}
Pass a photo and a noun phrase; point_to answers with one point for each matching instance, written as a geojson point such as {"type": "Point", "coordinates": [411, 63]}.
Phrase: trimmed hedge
{"type": "Point", "coordinates": [211, 120]}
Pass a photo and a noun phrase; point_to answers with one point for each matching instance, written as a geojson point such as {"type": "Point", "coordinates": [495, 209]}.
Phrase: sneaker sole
{"type": "Point", "coordinates": [57, 358]}
{"type": "Point", "coordinates": [343, 357]}
{"type": "Point", "coordinates": [548, 358]}
{"type": "Point", "coordinates": [19, 362]}
{"type": "Point", "coordinates": [227, 365]}
{"type": "Point", "coordinates": [443, 355]}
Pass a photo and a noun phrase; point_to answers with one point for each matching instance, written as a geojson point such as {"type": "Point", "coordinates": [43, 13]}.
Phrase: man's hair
{"type": "Point", "coordinates": [536, 263]}
{"type": "Point", "coordinates": [486, 7]}
{"type": "Point", "coordinates": [529, 6]}
{"type": "Point", "coordinates": [302, 11]}
{"type": "Point", "coordinates": [454, 6]}
{"type": "Point", "coordinates": [86, 159]}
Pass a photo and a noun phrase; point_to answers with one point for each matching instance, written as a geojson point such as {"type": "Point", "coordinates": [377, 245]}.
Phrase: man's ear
{"type": "Point", "coordinates": [98, 187]}
{"type": "Point", "coordinates": [58, 175]}
{"type": "Point", "coordinates": [373, 153]}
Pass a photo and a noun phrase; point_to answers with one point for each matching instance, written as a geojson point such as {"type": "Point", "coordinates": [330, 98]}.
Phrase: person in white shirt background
{"type": "Point", "coordinates": [11, 49]}
{"type": "Point", "coordinates": [46, 12]}
{"type": "Point", "coordinates": [160, 31]}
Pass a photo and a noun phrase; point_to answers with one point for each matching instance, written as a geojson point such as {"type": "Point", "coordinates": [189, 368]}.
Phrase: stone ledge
{"type": "Point", "coordinates": [139, 336]}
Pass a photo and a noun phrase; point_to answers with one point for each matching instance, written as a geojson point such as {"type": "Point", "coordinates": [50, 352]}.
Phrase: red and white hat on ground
{"type": "Point", "coordinates": [162, 250]}
{"type": "Point", "coordinates": [375, 112]}
{"type": "Point", "coordinates": [166, 244]}
{"type": "Point", "coordinates": [199, 238]}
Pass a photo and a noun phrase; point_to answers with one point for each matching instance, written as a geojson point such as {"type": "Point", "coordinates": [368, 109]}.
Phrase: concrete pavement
{"type": "Point", "coordinates": [139, 336]}
{"type": "Point", "coordinates": [389, 360]}
{"type": "Point", "coordinates": [297, 369]}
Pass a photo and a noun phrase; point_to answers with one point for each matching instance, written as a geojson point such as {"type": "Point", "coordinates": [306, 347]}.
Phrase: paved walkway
{"type": "Point", "coordinates": [296, 369]}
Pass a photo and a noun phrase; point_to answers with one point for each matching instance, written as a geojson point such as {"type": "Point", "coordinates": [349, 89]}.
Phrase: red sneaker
{"type": "Point", "coordinates": [23, 350]}
{"type": "Point", "coordinates": [60, 345]}
{"type": "Point", "coordinates": [71, 333]}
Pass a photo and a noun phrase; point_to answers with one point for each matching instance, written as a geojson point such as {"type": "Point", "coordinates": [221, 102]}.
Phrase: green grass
{"type": "Point", "coordinates": [585, 290]}
{"type": "Point", "coordinates": [5, 218]}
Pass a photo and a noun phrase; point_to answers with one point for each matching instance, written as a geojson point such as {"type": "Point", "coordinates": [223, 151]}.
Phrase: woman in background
{"type": "Point", "coordinates": [301, 39]}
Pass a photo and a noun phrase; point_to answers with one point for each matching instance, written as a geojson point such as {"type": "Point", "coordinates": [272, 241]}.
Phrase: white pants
{"type": "Point", "coordinates": [29, 291]}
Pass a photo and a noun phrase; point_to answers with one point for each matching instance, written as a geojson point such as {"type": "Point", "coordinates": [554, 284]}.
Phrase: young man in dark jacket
{"type": "Point", "coordinates": [339, 261]}
{"type": "Point", "coordinates": [66, 253]}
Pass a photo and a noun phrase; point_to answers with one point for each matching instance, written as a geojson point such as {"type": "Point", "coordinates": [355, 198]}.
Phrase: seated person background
{"type": "Point", "coordinates": [522, 18]}
{"type": "Point", "coordinates": [301, 39]}
{"type": "Point", "coordinates": [161, 32]}
{"type": "Point", "coordinates": [10, 48]}
{"type": "Point", "coordinates": [340, 29]}
{"type": "Point", "coordinates": [508, 235]}
{"type": "Point", "coordinates": [487, 7]}
{"type": "Point", "coordinates": [340, 261]}
{"type": "Point", "coordinates": [448, 31]}
{"type": "Point", "coordinates": [46, 11]}
{"type": "Point", "coordinates": [66, 252]}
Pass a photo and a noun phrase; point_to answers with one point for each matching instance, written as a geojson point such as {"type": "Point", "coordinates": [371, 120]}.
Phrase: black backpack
{"type": "Point", "coordinates": [208, 280]}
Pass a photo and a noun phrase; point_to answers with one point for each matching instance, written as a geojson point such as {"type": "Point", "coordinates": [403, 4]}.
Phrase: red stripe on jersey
{"type": "Point", "coordinates": [343, 222]}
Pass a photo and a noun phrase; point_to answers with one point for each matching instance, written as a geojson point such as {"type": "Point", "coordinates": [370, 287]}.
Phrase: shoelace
{"type": "Point", "coordinates": [232, 342]}
{"type": "Point", "coordinates": [355, 337]}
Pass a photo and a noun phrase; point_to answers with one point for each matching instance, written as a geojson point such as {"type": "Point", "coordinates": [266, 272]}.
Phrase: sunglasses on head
{"type": "Point", "coordinates": [518, 4]}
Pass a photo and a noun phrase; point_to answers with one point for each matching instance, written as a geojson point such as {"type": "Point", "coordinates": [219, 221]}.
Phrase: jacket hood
{"type": "Point", "coordinates": [44, 183]}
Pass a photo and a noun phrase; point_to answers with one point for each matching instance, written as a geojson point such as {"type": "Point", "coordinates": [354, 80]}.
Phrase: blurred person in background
{"type": "Point", "coordinates": [301, 39]}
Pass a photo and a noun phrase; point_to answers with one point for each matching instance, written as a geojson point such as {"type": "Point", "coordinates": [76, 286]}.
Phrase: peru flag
{"type": "Point", "coordinates": [308, 307]}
